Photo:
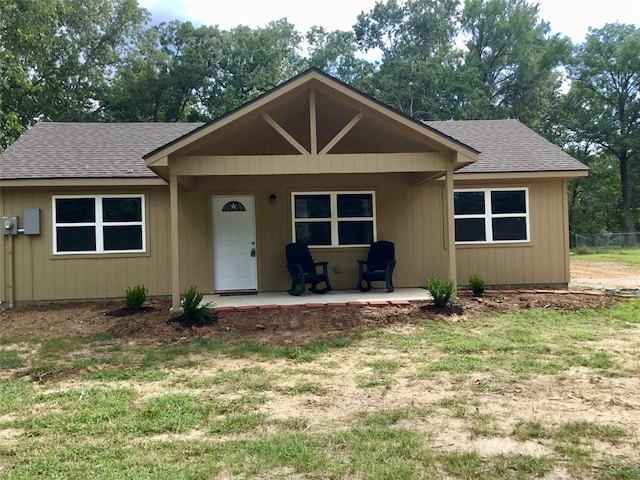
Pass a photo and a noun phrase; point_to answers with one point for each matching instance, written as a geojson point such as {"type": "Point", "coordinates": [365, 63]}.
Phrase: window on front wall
{"type": "Point", "coordinates": [334, 219]}
{"type": "Point", "coordinates": [491, 215]}
{"type": "Point", "coordinates": [98, 224]}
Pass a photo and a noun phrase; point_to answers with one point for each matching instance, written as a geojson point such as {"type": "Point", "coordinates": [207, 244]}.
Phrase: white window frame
{"type": "Point", "coordinates": [488, 215]}
{"type": "Point", "coordinates": [99, 224]}
{"type": "Point", "coordinates": [334, 219]}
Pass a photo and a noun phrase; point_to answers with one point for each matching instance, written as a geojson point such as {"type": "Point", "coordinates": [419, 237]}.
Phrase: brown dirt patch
{"type": "Point", "coordinates": [604, 275]}
{"type": "Point", "coordinates": [278, 327]}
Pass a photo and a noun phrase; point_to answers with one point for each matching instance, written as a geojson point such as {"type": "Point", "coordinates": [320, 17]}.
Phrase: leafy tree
{"type": "Point", "coordinates": [165, 78]}
{"type": "Point", "coordinates": [11, 78]}
{"type": "Point", "coordinates": [252, 62]}
{"type": "Point", "coordinates": [58, 57]}
{"type": "Point", "coordinates": [510, 63]}
{"type": "Point", "coordinates": [594, 202]}
{"type": "Point", "coordinates": [182, 73]}
{"type": "Point", "coordinates": [507, 66]}
{"type": "Point", "coordinates": [604, 103]}
{"type": "Point", "coordinates": [24, 37]}
{"type": "Point", "coordinates": [95, 35]}
{"type": "Point", "coordinates": [418, 71]}
{"type": "Point", "coordinates": [336, 53]}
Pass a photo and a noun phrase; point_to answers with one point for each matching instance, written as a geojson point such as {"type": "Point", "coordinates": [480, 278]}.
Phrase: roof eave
{"type": "Point", "coordinates": [82, 182]}
{"type": "Point", "coordinates": [531, 175]}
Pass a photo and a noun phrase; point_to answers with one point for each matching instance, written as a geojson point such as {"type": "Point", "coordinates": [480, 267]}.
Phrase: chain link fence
{"type": "Point", "coordinates": [606, 242]}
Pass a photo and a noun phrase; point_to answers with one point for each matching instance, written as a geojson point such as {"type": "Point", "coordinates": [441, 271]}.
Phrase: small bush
{"type": "Point", "coordinates": [135, 297]}
{"type": "Point", "coordinates": [582, 250]}
{"type": "Point", "coordinates": [192, 311]}
{"type": "Point", "coordinates": [441, 291]}
{"type": "Point", "coordinates": [477, 285]}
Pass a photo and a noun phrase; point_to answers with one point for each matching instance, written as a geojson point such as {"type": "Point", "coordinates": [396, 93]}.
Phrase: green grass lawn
{"type": "Point", "coordinates": [631, 256]}
{"type": "Point", "coordinates": [424, 400]}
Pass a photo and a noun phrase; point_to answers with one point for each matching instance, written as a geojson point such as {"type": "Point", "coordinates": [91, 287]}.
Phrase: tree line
{"type": "Point", "coordinates": [103, 61]}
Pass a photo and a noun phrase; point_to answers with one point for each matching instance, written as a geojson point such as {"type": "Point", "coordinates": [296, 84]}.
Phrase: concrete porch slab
{"type": "Point", "coordinates": [332, 298]}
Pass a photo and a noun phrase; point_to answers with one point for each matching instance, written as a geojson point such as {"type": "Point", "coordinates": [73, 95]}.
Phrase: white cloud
{"type": "Point", "coordinates": [574, 17]}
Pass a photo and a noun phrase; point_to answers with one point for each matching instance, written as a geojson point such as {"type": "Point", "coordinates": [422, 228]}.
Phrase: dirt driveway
{"type": "Point", "coordinates": [604, 275]}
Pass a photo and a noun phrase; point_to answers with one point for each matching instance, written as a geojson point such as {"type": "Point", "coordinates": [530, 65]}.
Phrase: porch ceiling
{"type": "Point", "coordinates": [254, 135]}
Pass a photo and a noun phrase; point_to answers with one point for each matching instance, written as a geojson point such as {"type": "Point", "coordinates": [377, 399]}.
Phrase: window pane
{"type": "Point", "coordinates": [509, 229]}
{"type": "Point", "coordinates": [470, 230]}
{"type": "Point", "coordinates": [468, 203]}
{"type": "Point", "coordinates": [123, 237]}
{"type": "Point", "coordinates": [508, 202]}
{"type": "Point", "coordinates": [312, 206]}
{"type": "Point", "coordinates": [76, 239]}
{"type": "Point", "coordinates": [75, 210]}
{"type": "Point", "coordinates": [313, 233]}
{"type": "Point", "coordinates": [355, 233]}
{"type": "Point", "coordinates": [234, 207]}
{"type": "Point", "coordinates": [122, 209]}
{"type": "Point", "coordinates": [355, 205]}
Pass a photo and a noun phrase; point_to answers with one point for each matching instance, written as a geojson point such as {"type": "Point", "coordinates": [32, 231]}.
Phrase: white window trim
{"type": "Point", "coordinates": [489, 215]}
{"type": "Point", "coordinates": [333, 202]}
{"type": "Point", "coordinates": [99, 224]}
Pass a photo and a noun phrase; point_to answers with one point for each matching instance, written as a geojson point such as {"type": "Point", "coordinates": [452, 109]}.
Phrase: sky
{"type": "Point", "coordinates": [568, 17]}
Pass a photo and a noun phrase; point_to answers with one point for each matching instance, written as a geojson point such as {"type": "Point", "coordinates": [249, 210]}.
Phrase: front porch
{"type": "Point", "coordinates": [273, 300]}
{"type": "Point", "coordinates": [310, 137]}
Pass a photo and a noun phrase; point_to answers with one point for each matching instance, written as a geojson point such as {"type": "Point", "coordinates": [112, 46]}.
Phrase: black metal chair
{"type": "Point", "coordinates": [378, 267]}
{"type": "Point", "coordinates": [303, 270]}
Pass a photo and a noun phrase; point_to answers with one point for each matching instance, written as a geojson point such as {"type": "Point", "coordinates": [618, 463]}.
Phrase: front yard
{"type": "Point", "coordinates": [520, 386]}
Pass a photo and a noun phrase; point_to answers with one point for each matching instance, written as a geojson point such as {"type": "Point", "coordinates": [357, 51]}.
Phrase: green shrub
{"type": "Point", "coordinates": [194, 312]}
{"type": "Point", "coordinates": [441, 291]}
{"type": "Point", "coordinates": [477, 285]}
{"type": "Point", "coordinates": [135, 297]}
{"type": "Point", "coordinates": [582, 250]}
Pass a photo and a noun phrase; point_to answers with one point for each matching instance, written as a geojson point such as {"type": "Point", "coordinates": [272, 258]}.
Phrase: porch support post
{"type": "Point", "coordinates": [175, 242]}
{"type": "Point", "coordinates": [565, 229]}
{"type": "Point", "coordinates": [450, 223]}
{"type": "Point", "coordinates": [313, 122]}
{"type": "Point", "coordinates": [3, 265]}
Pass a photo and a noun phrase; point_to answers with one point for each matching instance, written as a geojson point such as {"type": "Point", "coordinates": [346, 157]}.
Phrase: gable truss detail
{"type": "Point", "coordinates": [313, 126]}
{"type": "Point", "coordinates": [286, 135]}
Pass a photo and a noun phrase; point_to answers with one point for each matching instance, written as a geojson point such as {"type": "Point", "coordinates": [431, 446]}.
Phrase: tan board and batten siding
{"type": "Point", "coordinates": [39, 275]}
{"type": "Point", "coordinates": [397, 203]}
{"type": "Point", "coordinates": [544, 261]}
{"type": "Point", "coordinates": [410, 216]}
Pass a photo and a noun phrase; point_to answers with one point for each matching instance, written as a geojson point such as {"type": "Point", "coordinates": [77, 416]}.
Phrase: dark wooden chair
{"type": "Point", "coordinates": [378, 267]}
{"type": "Point", "coordinates": [304, 270]}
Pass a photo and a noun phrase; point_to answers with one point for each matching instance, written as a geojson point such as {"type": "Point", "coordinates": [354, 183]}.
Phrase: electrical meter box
{"type": "Point", "coordinates": [32, 221]}
{"type": "Point", "coordinates": [10, 225]}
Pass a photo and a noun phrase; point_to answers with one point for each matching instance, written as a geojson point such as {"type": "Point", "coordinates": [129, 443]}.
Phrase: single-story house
{"type": "Point", "coordinates": [106, 206]}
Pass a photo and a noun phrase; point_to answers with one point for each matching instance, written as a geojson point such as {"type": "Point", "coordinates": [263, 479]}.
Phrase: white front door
{"type": "Point", "coordinates": [234, 244]}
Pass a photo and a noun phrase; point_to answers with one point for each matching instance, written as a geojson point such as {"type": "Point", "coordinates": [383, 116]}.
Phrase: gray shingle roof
{"type": "Point", "coordinates": [115, 150]}
{"type": "Point", "coordinates": [87, 150]}
{"type": "Point", "coordinates": [508, 146]}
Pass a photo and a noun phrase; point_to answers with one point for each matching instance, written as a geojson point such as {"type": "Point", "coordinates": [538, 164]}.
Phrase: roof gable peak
{"type": "Point", "coordinates": [312, 113]}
